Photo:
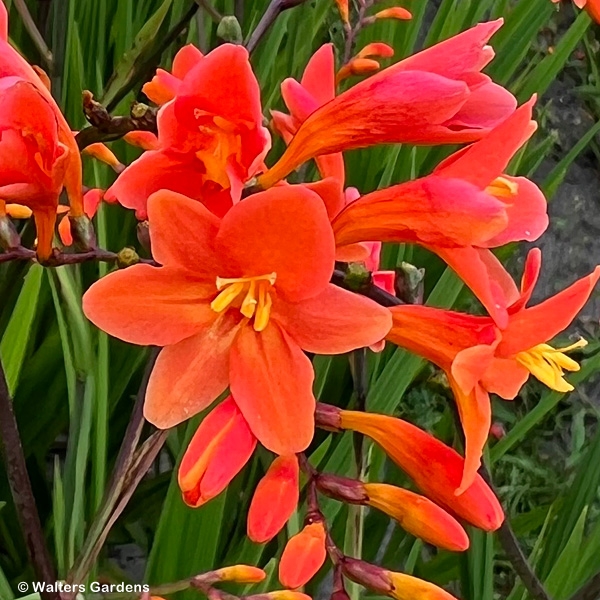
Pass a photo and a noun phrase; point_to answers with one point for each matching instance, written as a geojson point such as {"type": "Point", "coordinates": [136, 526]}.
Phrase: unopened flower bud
{"type": "Point", "coordinates": [303, 555]}
{"type": "Point", "coordinates": [357, 66]}
{"type": "Point", "coordinates": [357, 276]}
{"type": "Point", "coordinates": [279, 595]}
{"type": "Point", "coordinates": [236, 573]}
{"type": "Point", "coordinates": [127, 257]}
{"type": "Point", "coordinates": [9, 238]}
{"type": "Point", "coordinates": [143, 236]}
{"type": "Point", "coordinates": [82, 230]}
{"type": "Point", "coordinates": [343, 489]}
{"type": "Point", "coordinates": [409, 283]}
{"type": "Point", "coordinates": [139, 110]}
{"type": "Point", "coordinates": [328, 417]}
{"type": "Point", "coordinates": [395, 12]}
{"type": "Point", "coordinates": [229, 30]}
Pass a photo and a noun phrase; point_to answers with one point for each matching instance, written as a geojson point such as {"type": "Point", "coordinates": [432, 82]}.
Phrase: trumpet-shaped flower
{"type": "Point", "coordinates": [436, 96]}
{"type": "Point", "coordinates": [436, 468]}
{"type": "Point", "coordinates": [466, 206]}
{"type": "Point", "coordinates": [210, 133]}
{"type": "Point", "coordinates": [235, 303]}
{"type": "Point", "coordinates": [303, 556]}
{"type": "Point", "coordinates": [13, 65]}
{"type": "Point", "coordinates": [479, 358]}
{"type": "Point", "coordinates": [274, 500]}
{"type": "Point", "coordinates": [33, 161]}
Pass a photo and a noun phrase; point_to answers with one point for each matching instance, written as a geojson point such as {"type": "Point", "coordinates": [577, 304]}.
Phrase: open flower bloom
{"type": "Point", "coordinates": [316, 88]}
{"type": "Point", "coordinates": [274, 500]}
{"type": "Point", "coordinates": [592, 7]}
{"type": "Point", "coordinates": [434, 97]}
{"type": "Point", "coordinates": [12, 64]}
{"type": "Point", "coordinates": [221, 446]}
{"type": "Point", "coordinates": [210, 134]}
{"type": "Point", "coordinates": [32, 159]}
{"type": "Point", "coordinates": [436, 469]}
{"type": "Point", "coordinates": [418, 515]}
{"type": "Point", "coordinates": [479, 358]}
{"type": "Point", "coordinates": [235, 303]}
{"type": "Point", "coordinates": [466, 206]}
{"type": "Point", "coordinates": [303, 556]}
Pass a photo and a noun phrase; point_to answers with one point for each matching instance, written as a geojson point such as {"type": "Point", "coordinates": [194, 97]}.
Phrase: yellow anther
{"type": "Point", "coordinates": [263, 310]}
{"type": "Point", "coordinates": [548, 364]}
{"type": "Point", "coordinates": [249, 303]}
{"type": "Point", "coordinates": [502, 187]}
{"type": "Point", "coordinates": [227, 296]}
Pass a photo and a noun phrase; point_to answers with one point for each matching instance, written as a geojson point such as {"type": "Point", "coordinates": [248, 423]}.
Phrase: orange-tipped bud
{"type": "Point", "coordinates": [344, 10]}
{"type": "Point", "coordinates": [146, 140]}
{"type": "Point", "coordinates": [240, 574]}
{"type": "Point", "coordinates": [357, 66]}
{"type": "Point", "coordinates": [436, 468]}
{"type": "Point", "coordinates": [396, 12]}
{"type": "Point", "coordinates": [279, 595]}
{"type": "Point", "coordinates": [275, 499]}
{"type": "Point", "coordinates": [376, 49]}
{"type": "Point", "coordinates": [18, 211]}
{"type": "Point", "coordinates": [219, 449]}
{"type": "Point", "coordinates": [418, 516]}
{"type": "Point", "coordinates": [407, 587]}
{"type": "Point", "coordinates": [303, 556]}
{"type": "Point", "coordinates": [102, 153]}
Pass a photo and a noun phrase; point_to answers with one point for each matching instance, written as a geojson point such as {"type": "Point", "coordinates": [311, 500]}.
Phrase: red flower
{"type": "Point", "coordinates": [210, 135]}
{"type": "Point", "coordinates": [436, 96]}
{"type": "Point", "coordinates": [479, 358]}
{"type": "Point", "coordinates": [236, 303]}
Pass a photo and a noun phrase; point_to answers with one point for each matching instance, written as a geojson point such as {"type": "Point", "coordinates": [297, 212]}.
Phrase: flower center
{"type": "Point", "coordinates": [256, 300]}
{"type": "Point", "coordinates": [548, 364]}
{"type": "Point", "coordinates": [502, 188]}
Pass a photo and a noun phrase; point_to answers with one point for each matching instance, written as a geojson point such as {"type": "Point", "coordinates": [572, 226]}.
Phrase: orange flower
{"type": "Point", "coordinates": [464, 207]}
{"type": "Point", "coordinates": [221, 446]}
{"type": "Point", "coordinates": [316, 88]}
{"type": "Point", "coordinates": [13, 65]}
{"type": "Point", "coordinates": [479, 358]}
{"type": "Point", "coordinates": [418, 516]}
{"type": "Point", "coordinates": [303, 556]}
{"type": "Point", "coordinates": [32, 158]}
{"type": "Point", "coordinates": [210, 133]}
{"type": "Point", "coordinates": [436, 96]}
{"type": "Point", "coordinates": [436, 468]}
{"type": "Point", "coordinates": [274, 500]}
{"type": "Point", "coordinates": [235, 303]}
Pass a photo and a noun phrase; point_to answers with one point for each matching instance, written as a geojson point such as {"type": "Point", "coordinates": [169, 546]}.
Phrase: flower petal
{"type": "Point", "coordinates": [531, 273]}
{"type": "Point", "coordinates": [190, 375]}
{"type": "Point", "coordinates": [149, 305]}
{"type": "Point", "coordinates": [284, 230]}
{"type": "Point", "coordinates": [334, 322]}
{"type": "Point", "coordinates": [505, 377]}
{"type": "Point", "coordinates": [271, 381]}
{"type": "Point", "coordinates": [319, 75]}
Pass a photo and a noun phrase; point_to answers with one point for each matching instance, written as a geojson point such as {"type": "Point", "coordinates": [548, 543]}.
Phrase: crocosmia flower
{"type": "Point", "coordinates": [436, 96]}
{"type": "Point", "coordinates": [303, 555]}
{"type": "Point", "coordinates": [479, 358]}
{"type": "Point", "coordinates": [33, 161]}
{"type": "Point", "coordinates": [236, 303]}
{"type": "Point", "coordinates": [210, 133]}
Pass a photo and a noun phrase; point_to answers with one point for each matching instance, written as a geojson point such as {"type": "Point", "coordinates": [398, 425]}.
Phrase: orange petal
{"type": "Point", "coordinates": [149, 305]}
{"type": "Point", "coordinates": [285, 230]}
{"type": "Point", "coordinates": [327, 323]}
{"type": "Point", "coordinates": [436, 468]}
{"type": "Point", "coordinates": [395, 12]}
{"type": "Point", "coordinates": [319, 75]}
{"type": "Point", "coordinates": [185, 60]}
{"type": "Point", "coordinates": [274, 500]}
{"type": "Point", "coordinates": [104, 154]}
{"type": "Point", "coordinates": [220, 448]}
{"type": "Point", "coordinates": [279, 408]}
{"type": "Point", "coordinates": [531, 273]}
{"type": "Point", "coordinates": [303, 556]}
{"type": "Point", "coordinates": [18, 211]}
{"type": "Point", "coordinates": [419, 516]}
{"type": "Point", "coordinates": [183, 233]}
{"type": "Point", "coordinates": [146, 140]}
{"type": "Point", "coordinates": [376, 49]}
{"type": "Point", "coordinates": [357, 66]}
{"type": "Point", "coordinates": [190, 375]}
{"type": "Point", "coordinates": [163, 87]}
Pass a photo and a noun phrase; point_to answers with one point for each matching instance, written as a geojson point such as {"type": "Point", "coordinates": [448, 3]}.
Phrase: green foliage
{"type": "Point", "coordinates": [75, 381]}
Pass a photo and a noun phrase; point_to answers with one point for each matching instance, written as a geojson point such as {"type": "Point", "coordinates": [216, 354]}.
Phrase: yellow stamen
{"type": "Point", "coordinates": [548, 364]}
{"type": "Point", "coordinates": [257, 300]}
{"type": "Point", "coordinates": [502, 188]}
